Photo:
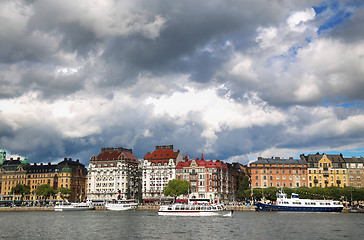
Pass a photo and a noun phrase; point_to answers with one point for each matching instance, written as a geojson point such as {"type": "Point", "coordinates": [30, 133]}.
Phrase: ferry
{"type": "Point", "coordinates": [195, 207]}
{"type": "Point", "coordinates": [121, 205]}
{"type": "Point", "coordinates": [67, 206]}
{"type": "Point", "coordinates": [300, 205]}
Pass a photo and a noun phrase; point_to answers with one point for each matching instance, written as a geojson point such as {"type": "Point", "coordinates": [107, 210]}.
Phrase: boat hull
{"type": "Point", "coordinates": [225, 213]}
{"type": "Point", "coordinates": [60, 209]}
{"type": "Point", "coordinates": [271, 207]}
{"type": "Point", "coordinates": [116, 207]}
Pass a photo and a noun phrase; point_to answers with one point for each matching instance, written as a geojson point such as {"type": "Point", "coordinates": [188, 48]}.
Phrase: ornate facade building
{"type": "Point", "coordinates": [68, 173]}
{"type": "Point", "coordinates": [158, 168]}
{"type": "Point", "coordinates": [278, 172]}
{"type": "Point", "coordinates": [113, 174]}
{"type": "Point", "coordinates": [326, 170]}
{"type": "Point", "coordinates": [209, 179]}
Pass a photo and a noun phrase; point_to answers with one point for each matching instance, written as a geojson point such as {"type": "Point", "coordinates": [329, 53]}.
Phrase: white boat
{"type": "Point", "coordinates": [300, 205]}
{"type": "Point", "coordinates": [67, 206]}
{"type": "Point", "coordinates": [194, 208]}
{"type": "Point", "coordinates": [121, 205]}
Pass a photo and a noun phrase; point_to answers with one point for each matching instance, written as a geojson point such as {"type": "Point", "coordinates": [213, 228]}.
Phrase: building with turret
{"type": "Point", "coordinates": [68, 173]}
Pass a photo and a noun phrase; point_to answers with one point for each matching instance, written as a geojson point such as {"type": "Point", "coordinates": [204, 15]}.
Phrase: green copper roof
{"type": "Point", "coordinates": [25, 162]}
{"type": "Point", "coordinates": [2, 156]}
{"type": "Point", "coordinates": [66, 169]}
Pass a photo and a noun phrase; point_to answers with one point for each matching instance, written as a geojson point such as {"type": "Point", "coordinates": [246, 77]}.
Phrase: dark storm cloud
{"type": "Point", "coordinates": [77, 76]}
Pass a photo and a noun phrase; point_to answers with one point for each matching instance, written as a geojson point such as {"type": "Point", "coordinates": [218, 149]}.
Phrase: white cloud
{"type": "Point", "coordinates": [297, 20]}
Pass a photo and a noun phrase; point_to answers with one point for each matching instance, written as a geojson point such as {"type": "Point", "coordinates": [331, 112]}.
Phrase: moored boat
{"type": "Point", "coordinates": [67, 206]}
{"type": "Point", "coordinates": [193, 208]}
{"type": "Point", "coordinates": [121, 205]}
{"type": "Point", "coordinates": [300, 205]}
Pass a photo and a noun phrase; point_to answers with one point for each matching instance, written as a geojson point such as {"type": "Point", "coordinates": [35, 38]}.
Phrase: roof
{"type": "Point", "coordinates": [354, 160]}
{"type": "Point", "coordinates": [162, 153]}
{"type": "Point", "coordinates": [314, 158]}
{"type": "Point", "coordinates": [200, 162]}
{"type": "Point", "coordinates": [109, 154]}
{"type": "Point", "coordinates": [278, 160]}
{"type": "Point", "coordinates": [42, 168]}
{"type": "Point", "coordinates": [11, 165]}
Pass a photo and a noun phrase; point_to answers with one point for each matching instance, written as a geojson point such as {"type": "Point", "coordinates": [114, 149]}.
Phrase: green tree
{"type": "Point", "coordinates": [176, 187]}
{"type": "Point", "coordinates": [45, 190]}
{"type": "Point", "coordinates": [20, 189]}
{"type": "Point", "coordinates": [244, 185]}
{"type": "Point", "coordinates": [64, 192]}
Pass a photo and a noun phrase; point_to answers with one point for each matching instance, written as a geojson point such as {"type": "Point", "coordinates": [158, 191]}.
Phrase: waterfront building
{"type": "Point", "coordinates": [325, 170]}
{"type": "Point", "coordinates": [355, 170]}
{"type": "Point", "coordinates": [68, 173]}
{"type": "Point", "coordinates": [278, 172]}
{"type": "Point", "coordinates": [113, 174]}
{"type": "Point", "coordinates": [158, 168]}
{"type": "Point", "coordinates": [209, 179]}
{"type": "Point", "coordinates": [12, 172]}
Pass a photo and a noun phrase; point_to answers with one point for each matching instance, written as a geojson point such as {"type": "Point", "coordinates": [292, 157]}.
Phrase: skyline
{"type": "Point", "coordinates": [233, 80]}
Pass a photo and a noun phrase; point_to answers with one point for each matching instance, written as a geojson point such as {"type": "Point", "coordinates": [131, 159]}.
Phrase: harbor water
{"type": "Point", "coordinates": [148, 225]}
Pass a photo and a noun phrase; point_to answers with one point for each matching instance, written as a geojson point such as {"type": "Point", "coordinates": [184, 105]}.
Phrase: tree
{"type": "Point", "coordinates": [45, 190]}
{"type": "Point", "coordinates": [64, 192]}
{"type": "Point", "coordinates": [176, 187]}
{"type": "Point", "coordinates": [20, 189]}
{"type": "Point", "coordinates": [243, 186]}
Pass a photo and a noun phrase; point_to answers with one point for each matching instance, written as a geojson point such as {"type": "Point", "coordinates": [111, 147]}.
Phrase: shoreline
{"type": "Point", "coordinates": [140, 208]}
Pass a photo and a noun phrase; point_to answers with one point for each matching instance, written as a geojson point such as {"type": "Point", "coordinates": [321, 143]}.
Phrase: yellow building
{"type": "Point", "coordinates": [12, 172]}
{"type": "Point", "coordinates": [69, 174]}
{"type": "Point", "coordinates": [326, 170]}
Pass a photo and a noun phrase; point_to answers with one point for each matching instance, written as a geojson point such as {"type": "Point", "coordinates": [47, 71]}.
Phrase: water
{"type": "Point", "coordinates": [148, 225]}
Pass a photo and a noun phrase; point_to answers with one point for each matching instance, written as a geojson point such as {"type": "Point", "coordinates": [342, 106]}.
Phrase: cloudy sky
{"type": "Point", "coordinates": [231, 79]}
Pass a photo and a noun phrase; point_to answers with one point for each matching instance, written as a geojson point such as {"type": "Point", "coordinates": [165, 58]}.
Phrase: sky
{"type": "Point", "coordinates": [230, 79]}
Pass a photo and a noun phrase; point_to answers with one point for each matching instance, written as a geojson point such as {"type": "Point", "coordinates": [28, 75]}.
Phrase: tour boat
{"type": "Point", "coordinates": [66, 206]}
{"type": "Point", "coordinates": [194, 208]}
{"type": "Point", "coordinates": [121, 205]}
{"type": "Point", "coordinates": [300, 205]}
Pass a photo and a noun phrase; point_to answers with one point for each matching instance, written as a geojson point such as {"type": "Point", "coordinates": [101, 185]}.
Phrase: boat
{"type": "Point", "coordinates": [300, 205]}
{"type": "Point", "coordinates": [195, 208]}
{"type": "Point", "coordinates": [121, 205]}
{"type": "Point", "coordinates": [67, 206]}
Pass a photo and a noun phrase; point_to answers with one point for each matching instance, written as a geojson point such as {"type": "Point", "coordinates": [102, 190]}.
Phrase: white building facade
{"type": "Point", "coordinates": [113, 174]}
{"type": "Point", "coordinates": [158, 168]}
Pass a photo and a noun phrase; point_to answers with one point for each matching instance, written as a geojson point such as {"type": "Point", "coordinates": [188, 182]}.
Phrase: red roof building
{"type": "Point", "coordinates": [158, 168]}
{"type": "Point", "coordinates": [113, 174]}
{"type": "Point", "coordinates": [209, 179]}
